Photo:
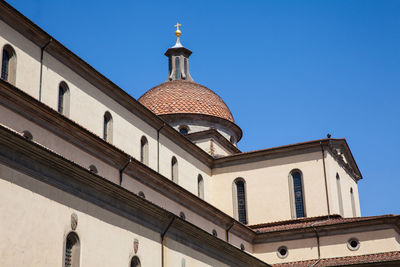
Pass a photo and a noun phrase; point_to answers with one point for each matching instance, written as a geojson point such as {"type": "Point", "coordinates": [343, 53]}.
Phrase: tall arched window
{"type": "Point", "coordinates": [63, 99]}
{"type": "Point", "coordinates": [297, 196]}
{"type": "Point", "coordinates": [107, 127]}
{"type": "Point", "coordinates": [177, 69]}
{"type": "Point", "coordinates": [239, 192]}
{"type": "Point", "coordinates": [353, 204]}
{"type": "Point", "coordinates": [8, 64]}
{"type": "Point", "coordinates": [174, 170]}
{"type": "Point", "coordinates": [200, 186]}
{"type": "Point", "coordinates": [135, 262]}
{"type": "Point", "coordinates": [144, 151]}
{"type": "Point", "coordinates": [72, 250]}
{"type": "Point", "coordinates": [339, 193]}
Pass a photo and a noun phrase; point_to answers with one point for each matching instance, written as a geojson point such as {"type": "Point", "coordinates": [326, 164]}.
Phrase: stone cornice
{"type": "Point", "coordinates": [292, 149]}
{"type": "Point", "coordinates": [50, 168]}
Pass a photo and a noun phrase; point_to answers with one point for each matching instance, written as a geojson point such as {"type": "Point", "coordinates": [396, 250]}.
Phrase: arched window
{"type": "Point", "coordinates": [107, 127]}
{"type": "Point", "coordinates": [135, 262]}
{"type": "Point", "coordinates": [8, 64]}
{"type": "Point", "coordinates": [177, 69]}
{"type": "Point", "coordinates": [239, 192]}
{"type": "Point", "coordinates": [339, 193]}
{"type": "Point", "coordinates": [353, 204]}
{"type": "Point", "coordinates": [297, 196]}
{"type": "Point", "coordinates": [144, 151]}
{"type": "Point", "coordinates": [200, 186]}
{"type": "Point", "coordinates": [63, 99]}
{"type": "Point", "coordinates": [174, 170]}
{"type": "Point", "coordinates": [72, 250]}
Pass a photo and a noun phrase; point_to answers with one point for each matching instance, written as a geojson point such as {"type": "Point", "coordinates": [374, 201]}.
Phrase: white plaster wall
{"type": "Point", "coordinates": [371, 242]}
{"type": "Point", "coordinates": [28, 59]}
{"type": "Point", "coordinates": [267, 186]}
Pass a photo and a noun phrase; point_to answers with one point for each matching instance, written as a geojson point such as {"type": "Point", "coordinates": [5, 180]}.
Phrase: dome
{"type": "Point", "coordinates": [185, 97]}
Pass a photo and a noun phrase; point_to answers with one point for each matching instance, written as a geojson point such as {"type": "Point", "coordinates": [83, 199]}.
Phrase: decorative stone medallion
{"type": "Point", "coordinates": [135, 245]}
{"type": "Point", "coordinates": [74, 221]}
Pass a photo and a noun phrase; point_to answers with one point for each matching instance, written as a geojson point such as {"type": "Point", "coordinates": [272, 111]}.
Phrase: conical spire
{"type": "Point", "coordinates": [178, 57]}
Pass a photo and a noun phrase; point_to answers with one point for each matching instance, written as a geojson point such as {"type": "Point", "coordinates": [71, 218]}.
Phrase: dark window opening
{"type": "Point", "coordinates": [241, 198]}
{"type": "Point", "coordinates": [177, 69]}
{"type": "Point", "coordinates": [5, 65]}
{"type": "Point", "coordinates": [298, 195]}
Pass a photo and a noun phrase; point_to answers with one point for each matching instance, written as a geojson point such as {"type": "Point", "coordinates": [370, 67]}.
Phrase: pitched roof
{"type": "Point", "coordinates": [303, 223]}
{"type": "Point", "coordinates": [386, 257]}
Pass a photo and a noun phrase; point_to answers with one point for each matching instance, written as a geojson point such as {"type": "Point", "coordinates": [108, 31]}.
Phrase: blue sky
{"type": "Point", "coordinates": [290, 71]}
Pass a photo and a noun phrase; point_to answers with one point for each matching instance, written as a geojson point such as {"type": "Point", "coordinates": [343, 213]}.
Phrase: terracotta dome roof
{"type": "Point", "coordinates": [181, 96]}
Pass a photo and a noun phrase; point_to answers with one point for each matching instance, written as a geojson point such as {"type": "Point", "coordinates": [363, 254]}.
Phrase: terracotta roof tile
{"type": "Point", "coordinates": [185, 97]}
{"type": "Point", "coordinates": [308, 222]}
{"type": "Point", "coordinates": [387, 257]}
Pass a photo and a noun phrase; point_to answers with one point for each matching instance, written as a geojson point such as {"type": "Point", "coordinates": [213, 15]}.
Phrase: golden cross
{"type": "Point", "coordinates": [177, 25]}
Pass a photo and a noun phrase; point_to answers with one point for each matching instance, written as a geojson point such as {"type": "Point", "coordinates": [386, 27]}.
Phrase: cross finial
{"type": "Point", "coordinates": [177, 32]}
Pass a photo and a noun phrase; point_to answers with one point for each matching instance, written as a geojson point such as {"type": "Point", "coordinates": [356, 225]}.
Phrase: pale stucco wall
{"type": "Point", "coordinates": [346, 182]}
{"type": "Point", "coordinates": [219, 150]}
{"type": "Point", "coordinates": [28, 59]}
{"type": "Point", "coordinates": [40, 135]}
{"type": "Point", "coordinates": [267, 187]}
{"type": "Point", "coordinates": [371, 242]}
{"type": "Point", "coordinates": [36, 219]}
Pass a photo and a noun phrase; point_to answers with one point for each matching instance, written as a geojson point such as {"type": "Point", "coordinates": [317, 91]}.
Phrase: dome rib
{"type": "Point", "coordinates": [179, 96]}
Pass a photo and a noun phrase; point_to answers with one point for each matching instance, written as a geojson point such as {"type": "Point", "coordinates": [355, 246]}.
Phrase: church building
{"type": "Point", "coordinates": [90, 176]}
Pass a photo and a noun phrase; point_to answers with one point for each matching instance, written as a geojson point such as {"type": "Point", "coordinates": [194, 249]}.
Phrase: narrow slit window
{"type": "Point", "coordinates": [63, 99]}
{"type": "Point", "coordinates": [200, 186]}
{"type": "Point", "coordinates": [353, 204]}
{"type": "Point", "coordinates": [144, 150]}
{"type": "Point", "coordinates": [339, 193]}
{"type": "Point", "coordinates": [186, 66]}
{"type": "Point", "coordinates": [107, 127]}
{"type": "Point", "coordinates": [4, 65]}
{"type": "Point", "coordinates": [241, 201]}
{"type": "Point", "coordinates": [8, 64]}
{"type": "Point", "coordinates": [174, 170]}
{"type": "Point", "coordinates": [298, 194]}
{"type": "Point", "coordinates": [72, 251]}
{"type": "Point", "coordinates": [177, 69]}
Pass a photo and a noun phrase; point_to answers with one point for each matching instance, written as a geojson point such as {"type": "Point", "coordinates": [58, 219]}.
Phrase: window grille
{"type": "Point", "coordinates": [241, 198]}
{"type": "Point", "coordinates": [4, 65]}
{"type": "Point", "coordinates": [298, 194]}
{"type": "Point", "coordinates": [107, 126]}
{"type": "Point", "coordinates": [72, 251]}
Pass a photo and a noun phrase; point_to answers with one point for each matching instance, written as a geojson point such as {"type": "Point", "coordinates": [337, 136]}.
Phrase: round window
{"type": "Point", "coordinates": [183, 129]}
{"type": "Point", "coordinates": [353, 244]}
{"type": "Point", "coordinates": [283, 252]}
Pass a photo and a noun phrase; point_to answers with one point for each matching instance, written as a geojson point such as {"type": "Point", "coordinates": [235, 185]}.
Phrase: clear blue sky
{"type": "Point", "coordinates": [290, 71]}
